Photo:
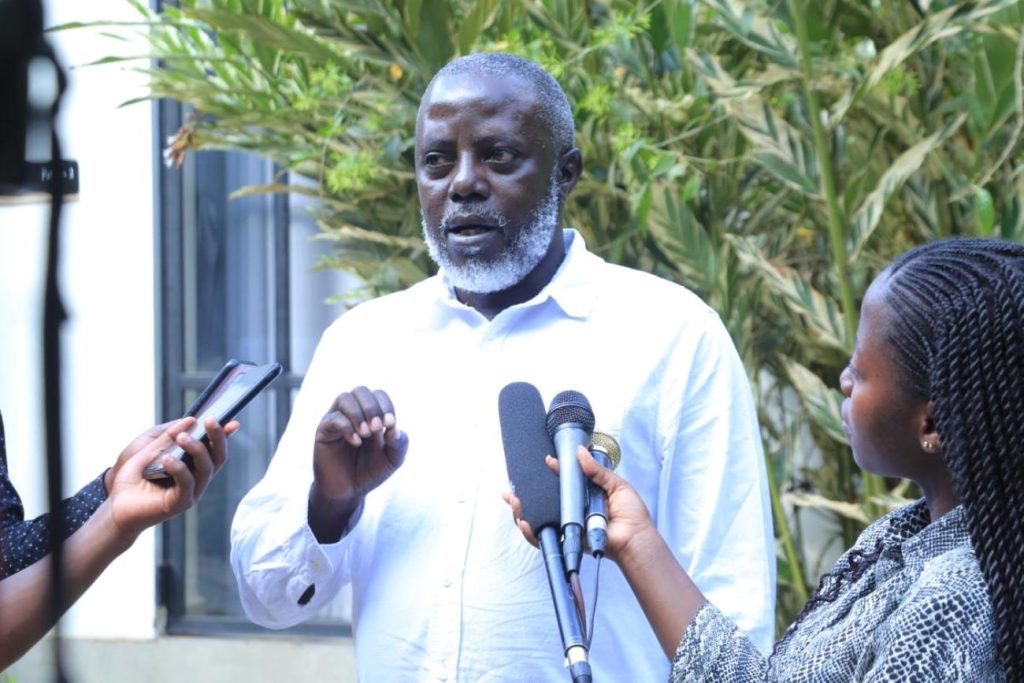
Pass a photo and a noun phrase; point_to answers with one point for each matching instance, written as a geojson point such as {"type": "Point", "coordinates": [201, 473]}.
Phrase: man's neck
{"type": "Point", "coordinates": [491, 304]}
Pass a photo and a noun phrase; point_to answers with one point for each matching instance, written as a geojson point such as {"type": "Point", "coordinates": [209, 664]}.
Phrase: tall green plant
{"type": "Point", "coordinates": [771, 156]}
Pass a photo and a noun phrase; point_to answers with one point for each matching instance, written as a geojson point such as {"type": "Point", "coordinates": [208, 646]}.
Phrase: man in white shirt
{"type": "Point", "coordinates": [398, 490]}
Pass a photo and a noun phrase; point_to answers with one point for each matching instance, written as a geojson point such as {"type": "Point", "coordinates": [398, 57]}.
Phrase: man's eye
{"type": "Point", "coordinates": [502, 156]}
{"type": "Point", "coordinates": [434, 159]}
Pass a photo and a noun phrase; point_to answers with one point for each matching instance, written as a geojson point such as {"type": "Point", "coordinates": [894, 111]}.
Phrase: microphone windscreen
{"type": "Point", "coordinates": [570, 407]}
{"type": "Point", "coordinates": [526, 442]}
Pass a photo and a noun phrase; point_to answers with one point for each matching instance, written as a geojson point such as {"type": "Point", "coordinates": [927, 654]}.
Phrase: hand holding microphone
{"type": "Point", "coordinates": [535, 501]}
{"type": "Point", "coordinates": [626, 512]}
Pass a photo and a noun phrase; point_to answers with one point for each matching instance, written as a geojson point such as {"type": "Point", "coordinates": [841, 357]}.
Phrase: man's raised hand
{"type": "Point", "coordinates": [358, 446]}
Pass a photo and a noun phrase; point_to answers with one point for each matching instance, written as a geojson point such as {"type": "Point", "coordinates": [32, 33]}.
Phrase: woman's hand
{"type": "Point", "coordinates": [667, 595]}
{"type": "Point", "coordinates": [136, 503]}
{"type": "Point", "coordinates": [628, 518]}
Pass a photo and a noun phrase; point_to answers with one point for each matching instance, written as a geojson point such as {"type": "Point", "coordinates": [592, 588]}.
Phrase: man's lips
{"type": "Point", "coordinates": [470, 229]}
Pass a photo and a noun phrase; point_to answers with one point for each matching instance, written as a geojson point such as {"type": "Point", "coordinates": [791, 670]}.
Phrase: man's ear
{"type": "Point", "coordinates": [570, 167]}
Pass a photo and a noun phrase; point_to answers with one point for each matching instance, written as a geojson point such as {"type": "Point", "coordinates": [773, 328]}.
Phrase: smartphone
{"type": "Point", "coordinates": [235, 385]}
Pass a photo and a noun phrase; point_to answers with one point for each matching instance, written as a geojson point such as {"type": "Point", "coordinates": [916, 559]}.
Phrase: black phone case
{"type": "Point", "coordinates": [197, 404]}
{"type": "Point", "coordinates": [155, 469]}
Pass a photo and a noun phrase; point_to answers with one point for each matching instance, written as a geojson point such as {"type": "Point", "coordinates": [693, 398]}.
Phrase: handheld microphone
{"type": "Point", "coordinates": [526, 443]}
{"type": "Point", "coordinates": [570, 421]}
{"type": "Point", "coordinates": [605, 450]}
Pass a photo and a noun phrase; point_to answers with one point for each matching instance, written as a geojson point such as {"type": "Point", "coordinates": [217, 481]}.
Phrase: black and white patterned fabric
{"type": "Point", "coordinates": [919, 613]}
{"type": "Point", "coordinates": [25, 542]}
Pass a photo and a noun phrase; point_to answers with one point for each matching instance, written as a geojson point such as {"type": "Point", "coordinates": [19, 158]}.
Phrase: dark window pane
{"type": "Point", "coordinates": [227, 269]}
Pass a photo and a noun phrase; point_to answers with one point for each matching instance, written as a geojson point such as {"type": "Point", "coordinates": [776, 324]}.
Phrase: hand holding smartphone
{"type": "Point", "coordinates": [235, 385]}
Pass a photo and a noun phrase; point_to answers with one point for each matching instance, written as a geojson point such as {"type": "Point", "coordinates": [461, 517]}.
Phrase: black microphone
{"type": "Point", "coordinates": [605, 450]}
{"type": "Point", "coordinates": [570, 422]}
{"type": "Point", "coordinates": [526, 442]}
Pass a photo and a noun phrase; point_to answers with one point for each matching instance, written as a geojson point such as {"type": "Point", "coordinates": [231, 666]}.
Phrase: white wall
{"type": "Point", "coordinates": [107, 280]}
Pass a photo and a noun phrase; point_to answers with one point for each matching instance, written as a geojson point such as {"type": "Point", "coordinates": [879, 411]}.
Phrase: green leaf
{"type": "Point", "coordinates": [675, 230]}
{"type": "Point", "coordinates": [818, 502]}
{"type": "Point", "coordinates": [691, 188]}
{"type": "Point", "coordinates": [820, 402]}
{"type": "Point", "coordinates": [756, 31]}
{"type": "Point", "coordinates": [268, 33]}
{"type": "Point", "coordinates": [984, 211]}
{"type": "Point", "coordinates": [942, 25]}
{"type": "Point", "coordinates": [435, 37]}
{"type": "Point", "coordinates": [659, 30]}
{"type": "Point", "coordinates": [784, 169]}
{"type": "Point", "coordinates": [257, 190]}
{"type": "Point", "coordinates": [780, 148]}
{"type": "Point", "coordinates": [411, 17]}
{"type": "Point", "coordinates": [680, 21]}
{"type": "Point", "coordinates": [819, 313]}
{"type": "Point", "coordinates": [868, 215]}
{"type": "Point", "coordinates": [478, 17]}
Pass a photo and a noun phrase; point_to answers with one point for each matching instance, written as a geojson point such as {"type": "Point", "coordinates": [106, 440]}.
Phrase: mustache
{"type": "Point", "coordinates": [473, 210]}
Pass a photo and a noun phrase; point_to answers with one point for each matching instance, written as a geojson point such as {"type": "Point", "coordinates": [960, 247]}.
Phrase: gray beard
{"type": "Point", "coordinates": [514, 263]}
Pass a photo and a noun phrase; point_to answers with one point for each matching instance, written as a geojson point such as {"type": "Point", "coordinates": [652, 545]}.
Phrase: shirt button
{"type": "Point", "coordinates": [447, 583]}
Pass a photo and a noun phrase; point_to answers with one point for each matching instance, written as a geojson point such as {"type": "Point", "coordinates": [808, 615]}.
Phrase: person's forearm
{"type": "Point", "coordinates": [26, 609]}
{"type": "Point", "coordinates": [329, 517]}
{"type": "Point", "coordinates": [667, 595]}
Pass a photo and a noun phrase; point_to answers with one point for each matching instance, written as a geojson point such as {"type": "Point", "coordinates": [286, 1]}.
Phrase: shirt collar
{"type": "Point", "coordinates": [571, 288]}
{"type": "Point", "coordinates": [912, 531]}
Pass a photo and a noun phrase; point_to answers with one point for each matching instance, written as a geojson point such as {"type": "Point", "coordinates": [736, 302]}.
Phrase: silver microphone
{"type": "Point", "coordinates": [570, 422]}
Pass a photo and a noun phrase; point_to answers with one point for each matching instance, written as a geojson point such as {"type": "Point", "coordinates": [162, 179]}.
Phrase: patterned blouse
{"type": "Point", "coordinates": [919, 613]}
{"type": "Point", "coordinates": [25, 542]}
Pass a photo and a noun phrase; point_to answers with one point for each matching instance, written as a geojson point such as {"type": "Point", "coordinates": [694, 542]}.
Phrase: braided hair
{"type": "Point", "coordinates": [958, 336]}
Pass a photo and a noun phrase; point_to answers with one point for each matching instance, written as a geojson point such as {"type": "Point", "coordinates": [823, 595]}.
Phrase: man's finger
{"type": "Point", "coordinates": [387, 407]}
{"type": "Point", "coordinates": [335, 426]}
{"type": "Point", "coordinates": [373, 412]}
{"type": "Point", "coordinates": [397, 444]}
{"type": "Point", "coordinates": [348, 405]}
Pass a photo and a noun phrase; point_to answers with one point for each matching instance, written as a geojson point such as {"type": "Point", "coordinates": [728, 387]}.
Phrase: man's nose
{"type": "Point", "coordinates": [469, 182]}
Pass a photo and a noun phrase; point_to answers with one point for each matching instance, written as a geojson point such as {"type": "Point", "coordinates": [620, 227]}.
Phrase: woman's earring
{"type": "Point", "coordinates": [928, 446]}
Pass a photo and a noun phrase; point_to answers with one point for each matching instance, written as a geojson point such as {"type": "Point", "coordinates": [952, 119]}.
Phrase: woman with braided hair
{"type": "Point", "coordinates": [931, 591]}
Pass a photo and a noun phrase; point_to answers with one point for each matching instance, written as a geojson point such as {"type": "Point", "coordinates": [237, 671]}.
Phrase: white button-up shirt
{"type": "Point", "coordinates": [444, 586]}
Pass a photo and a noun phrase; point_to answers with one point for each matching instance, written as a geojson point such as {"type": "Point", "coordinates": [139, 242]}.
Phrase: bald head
{"type": "Point", "coordinates": [550, 103]}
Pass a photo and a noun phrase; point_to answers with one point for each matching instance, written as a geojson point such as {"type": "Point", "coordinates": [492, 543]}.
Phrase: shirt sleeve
{"type": "Point", "coordinates": [283, 573]}
{"type": "Point", "coordinates": [713, 649]}
{"type": "Point", "coordinates": [25, 542]}
{"type": "Point", "coordinates": [714, 509]}
{"type": "Point", "coordinates": [943, 629]}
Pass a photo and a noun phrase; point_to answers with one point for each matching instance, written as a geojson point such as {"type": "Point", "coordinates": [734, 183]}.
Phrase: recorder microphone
{"type": "Point", "coordinates": [605, 450]}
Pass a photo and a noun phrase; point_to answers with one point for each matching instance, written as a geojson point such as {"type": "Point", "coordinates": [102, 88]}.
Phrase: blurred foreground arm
{"type": "Point", "coordinates": [134, 504]}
